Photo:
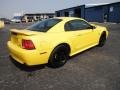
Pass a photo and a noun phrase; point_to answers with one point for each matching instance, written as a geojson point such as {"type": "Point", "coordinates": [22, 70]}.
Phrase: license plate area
{"type": "Point", "coordinates": [13, 33]}
{"type": "Point", "coordinates": [15, 39]}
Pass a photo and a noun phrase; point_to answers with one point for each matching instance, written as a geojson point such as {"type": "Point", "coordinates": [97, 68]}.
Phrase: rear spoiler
{"type": "Point", "coordinates": [23, 32]}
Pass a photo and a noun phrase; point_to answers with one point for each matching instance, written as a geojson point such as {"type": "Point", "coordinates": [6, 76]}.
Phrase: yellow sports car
{"type": "Point", "coordinates": [52, 41]}
{"type": "Point", "coordinates": [1, 24]}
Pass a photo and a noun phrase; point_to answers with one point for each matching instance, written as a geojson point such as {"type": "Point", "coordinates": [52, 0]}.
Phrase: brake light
{"type": "Point", "coordinates": [27, 44]}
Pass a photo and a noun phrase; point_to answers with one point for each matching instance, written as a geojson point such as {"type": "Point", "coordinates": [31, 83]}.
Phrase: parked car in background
{"type": "Point", "coordinates": [1, 24]}
{"type": "Point", "coordinates": [17, 19]}
{"type": "Point", "coordinates": [52, 41]}
{"type": "Point", "coordinates": [6, 21]}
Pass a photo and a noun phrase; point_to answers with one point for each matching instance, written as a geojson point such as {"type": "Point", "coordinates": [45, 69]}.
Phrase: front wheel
{"type": "Point", "coordinates": [102, 40]}
{"type": "Point", "coordinates": [58, 57]}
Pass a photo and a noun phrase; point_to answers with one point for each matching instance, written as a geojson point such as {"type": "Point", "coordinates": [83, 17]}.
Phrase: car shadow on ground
{"type": "Point", "coordinates": [83, 52]}
{"type": "Point", "coordinates": [26, 68]}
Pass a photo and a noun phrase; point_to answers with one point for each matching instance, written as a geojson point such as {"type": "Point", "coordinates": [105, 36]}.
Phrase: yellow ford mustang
{"type": "Point", "coordinates": [52, 41]}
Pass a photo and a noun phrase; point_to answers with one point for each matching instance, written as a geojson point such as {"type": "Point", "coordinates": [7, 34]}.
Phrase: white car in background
{"type": "Point", "coordinates": [16, 20]}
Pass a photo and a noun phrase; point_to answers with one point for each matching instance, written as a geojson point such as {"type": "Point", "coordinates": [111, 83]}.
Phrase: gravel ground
{"type": "Point", "coordinates": [95, 69]}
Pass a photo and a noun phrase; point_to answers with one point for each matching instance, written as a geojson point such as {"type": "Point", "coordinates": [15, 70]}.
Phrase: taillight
{"type": "Point", "coordinates": [27, 44]}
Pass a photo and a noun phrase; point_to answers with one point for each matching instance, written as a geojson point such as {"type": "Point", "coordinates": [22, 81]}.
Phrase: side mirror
{"type": "Point", "coordinates": [93, 27]}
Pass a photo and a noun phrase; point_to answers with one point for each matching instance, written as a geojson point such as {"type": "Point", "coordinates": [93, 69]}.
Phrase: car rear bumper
{"type": "Point", "coordinates": [28, 57]}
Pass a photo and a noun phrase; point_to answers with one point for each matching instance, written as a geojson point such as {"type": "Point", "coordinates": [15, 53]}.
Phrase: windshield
{"type": "Point", "coordinates": [44, 26]}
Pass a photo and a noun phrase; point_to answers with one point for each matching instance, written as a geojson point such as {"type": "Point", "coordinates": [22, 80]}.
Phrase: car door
{"type": "Point", "coordinates": [82, 34]}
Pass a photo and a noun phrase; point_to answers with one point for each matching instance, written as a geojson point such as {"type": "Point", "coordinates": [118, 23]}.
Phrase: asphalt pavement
{"type": "Point", "coordinates": [95, 69]}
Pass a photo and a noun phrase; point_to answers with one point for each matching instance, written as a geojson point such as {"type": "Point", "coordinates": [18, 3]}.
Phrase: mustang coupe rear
{"type": "Point", "coordinates": [52, 41]}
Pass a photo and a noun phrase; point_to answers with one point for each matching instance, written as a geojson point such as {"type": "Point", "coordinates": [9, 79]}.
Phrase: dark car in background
{"type": "Point", "coordinates": [6, 21]}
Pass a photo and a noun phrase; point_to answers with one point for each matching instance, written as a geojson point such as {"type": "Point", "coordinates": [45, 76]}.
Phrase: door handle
{"type": "Point", "coordinates": [79, 35]}
{"type": "Point", "coordinates": [76, 35]}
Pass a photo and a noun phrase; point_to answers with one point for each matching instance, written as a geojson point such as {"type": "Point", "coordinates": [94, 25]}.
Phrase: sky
{"type": "Point", "coordinates": [9, 7]}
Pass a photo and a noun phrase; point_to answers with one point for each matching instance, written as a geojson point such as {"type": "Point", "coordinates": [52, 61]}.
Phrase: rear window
{"type": "Point", "coordinates": [44, 26]}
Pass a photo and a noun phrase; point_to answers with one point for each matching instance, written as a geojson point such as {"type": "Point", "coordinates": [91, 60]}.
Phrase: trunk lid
{"type": "Point", "coordinates": [18, 35]}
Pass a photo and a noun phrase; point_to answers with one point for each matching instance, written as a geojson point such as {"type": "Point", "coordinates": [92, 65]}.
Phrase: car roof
{"type": "Point", "coordinates": [68, 18]}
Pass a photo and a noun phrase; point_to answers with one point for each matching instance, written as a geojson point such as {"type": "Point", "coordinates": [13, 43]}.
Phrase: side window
{"type": "Point", "coordinates": [68, 26]}
{"type": "Point", "coordinates": [75, 25]}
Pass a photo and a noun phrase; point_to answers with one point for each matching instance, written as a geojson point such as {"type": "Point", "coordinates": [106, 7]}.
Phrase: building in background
{"type": "Point", "coordinates": [36, 16]}
{"type": "Point", "coordinates": [103, 13]}
{"type": "Point", "coordinates": [77, 11]}
{"type": "Point", "coordinates": [94, 12]}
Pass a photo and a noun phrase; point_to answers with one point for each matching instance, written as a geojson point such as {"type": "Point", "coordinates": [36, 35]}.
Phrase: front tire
{"type": "Point", "coordinates": [58, 57]}
{"type": "Point", "coordinates": [102, 40]}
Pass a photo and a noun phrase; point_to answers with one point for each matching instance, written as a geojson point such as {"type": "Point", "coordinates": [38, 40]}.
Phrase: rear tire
{"type": "Point", "coordinates": [102, 40]}
{"type": "Point", "coordinates": [58, 57]}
